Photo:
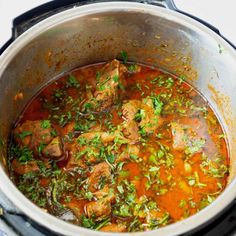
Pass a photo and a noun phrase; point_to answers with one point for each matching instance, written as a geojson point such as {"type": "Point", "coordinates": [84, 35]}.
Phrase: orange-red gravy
{"type": "Point", "coordinates": [177, 169]}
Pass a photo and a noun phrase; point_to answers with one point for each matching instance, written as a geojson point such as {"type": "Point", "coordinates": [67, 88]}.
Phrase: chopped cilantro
{"type": "Point", "coordinates": [116, 78]}
{"type": "Point", "coordinates": [23, 154]}
{"type": "Point", "coordinates": [87, 223]}
{"type": "Point", "coordinates": [111, 158]}
{"type": "Point", "coordinates": [73, 82]}
{"type": "Point", "coordinates": [158, 104]}
{"type": "Point", "coordinates": [46, 124]}
{"type": "Point", "coordinates": [195, 146]}
{"type": "Point", "coordinates": [123, 211]}
{"type": "Point", "coordinates": [124, 56]}
{"type": "Point", "coordinates": [24, 134]}
{"type": "Point", "coordinates": [120, 189]}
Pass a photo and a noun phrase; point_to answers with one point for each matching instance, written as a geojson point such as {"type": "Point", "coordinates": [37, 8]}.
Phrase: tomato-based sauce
{"type": "Point", "coordinates": [120, 148]}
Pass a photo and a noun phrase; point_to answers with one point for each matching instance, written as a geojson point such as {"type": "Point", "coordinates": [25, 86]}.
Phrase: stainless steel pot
{"type": "Point", "coordinates": [98, 32]}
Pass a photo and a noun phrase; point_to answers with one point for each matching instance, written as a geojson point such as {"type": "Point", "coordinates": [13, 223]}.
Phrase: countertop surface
{"type": "Point", "coordinates": [219, 13]}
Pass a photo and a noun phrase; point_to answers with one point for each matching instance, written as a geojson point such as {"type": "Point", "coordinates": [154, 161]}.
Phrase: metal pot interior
{"type": "Point", "coordinates": [99, 32]}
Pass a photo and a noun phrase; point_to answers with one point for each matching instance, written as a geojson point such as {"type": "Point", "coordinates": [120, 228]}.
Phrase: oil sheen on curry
{"type": "Point", "coordinates": [119, 147]}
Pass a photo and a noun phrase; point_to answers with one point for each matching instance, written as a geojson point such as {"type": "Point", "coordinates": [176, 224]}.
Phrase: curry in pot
{"type": "Point", "coordinates": [119, 147]}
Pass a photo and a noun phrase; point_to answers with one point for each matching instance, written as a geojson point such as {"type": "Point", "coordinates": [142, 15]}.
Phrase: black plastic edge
{"type": "Point", "coordinates": [4, 47]}
{"type": "Point", "coordinates": [26, 20]}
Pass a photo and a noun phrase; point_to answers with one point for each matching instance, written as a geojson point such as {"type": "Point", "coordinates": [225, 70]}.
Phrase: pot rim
{"type": "Point", "coordinates": [50, 221]}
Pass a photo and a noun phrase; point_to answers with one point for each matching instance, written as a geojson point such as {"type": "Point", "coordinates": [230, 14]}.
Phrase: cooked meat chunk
{"type": "Point", "coordinates": [107, 85]}
{"type": "Point", "coordinates": [98, 209]}
{"type": "Point", "coordinates": [99, 177]}
{"type": "Point", "coordinates": [104, 136]}
{"type": "Point", "coordinates": [149, 120]}
{"type": "Point", "coordinates": [128, 152]}
{"type": "Point", "coordinates": [72, 152]}
{"type": "Point", "coordinates": [143, 112]}
{"type": "Point", "coordinates": [81, 155]}
{"type": "Point", "coordinates": [130, 130]}
{"type": "Point", "coordinates": [33, 134]}
{"type": "Point", "coordinates": [179, 136]}
{"type": "Point", "coordinates": [102, 193]}
{"type": "Point", "coordinates": [186, 138]}
{"type": "Point", "coordinates": [74, 162]}
{"type": "Point", "coordinates": [105, 192]}
{"type": "Point", "coordinates": [106, 89]}
{"type": "Point", "coordinates": [89, 154]}
{"type": "Point", "coordinates": [22, 169]}
{"type": "Point", "coordinates": [54, 149]}
{"type": "Point", "coordinates": [113, 228]}
{"type": "Point", "coordinates": [130, 109]}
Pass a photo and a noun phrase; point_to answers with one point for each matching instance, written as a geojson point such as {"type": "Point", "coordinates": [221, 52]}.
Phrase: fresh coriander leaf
{"type": "Point", "coordinates": [46, 124]}
{"type": "Point", "coordinates": [73, 82]}
{"type": "Point", "coordinates": [87, 223]}
{"type": "Point", "coordinates": [23, 154]}
{"type": "Point", "coordinates": [116, 78]}
{"type": "Point", "coordinates": [120, 189]}
{"type": "Point", "coordinates": [111, 158]}
{"type": "Point", "coordinates": [195, 146]}
{"type": "Point", "coordinates": [124, 56]}
{"type": "Point", "coordinates": [154, 169]}
{"type": "Point", "coordinates": [24, 134]}
{"type": "Point", "coordinates": [158, 105]}
{"type": "Point", "coordinates": [124, 211]}
{"type": "Point", "coordinates": [124, 173]}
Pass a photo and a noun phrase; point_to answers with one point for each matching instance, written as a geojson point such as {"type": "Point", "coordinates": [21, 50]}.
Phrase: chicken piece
{"type": "Point", "coordinates": [102, 193]}
{"type": "Point", "coordinates": [186, 138]}
{"type": "Point", "coordinates": [73, 161]}
{"type": "Point", "coordinates": [22, 169]}
{"type": "Point", "coordinates": [81, 155]}
{"type": "Point", "coordinates": [98, 209]}
{"type": "Point", "coordinates": [106, 89]}
{"type": "Point", "coordinates": [89, 154]}
{"type": "Point", "coordinates": [130, 109]}
{"type": "Point", "coordinates": [104, 136]}
{"type": "Point", "coordinates": [150, 121]}
{"type": "Point", "coordinates": [143, 112]}
{"type": "Point", "coordinates": [130, 130]}
{"type": "Point", "coordinates": [107, 86]}
{"type": "Point", "coordinates": [101, 174]}
{"type": "Point", "coordinates": [33, 134]}
{"type": "Point", "coordinates": [112, 227]}
{"type": "Point", "coordinates": [131, 150]}
{"type": "Point", "coordinates": [54, 149]}
{"type": "Point", "coordinates": [105, 192]}
{"type": "Point", "coordinates": [179, 136]}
